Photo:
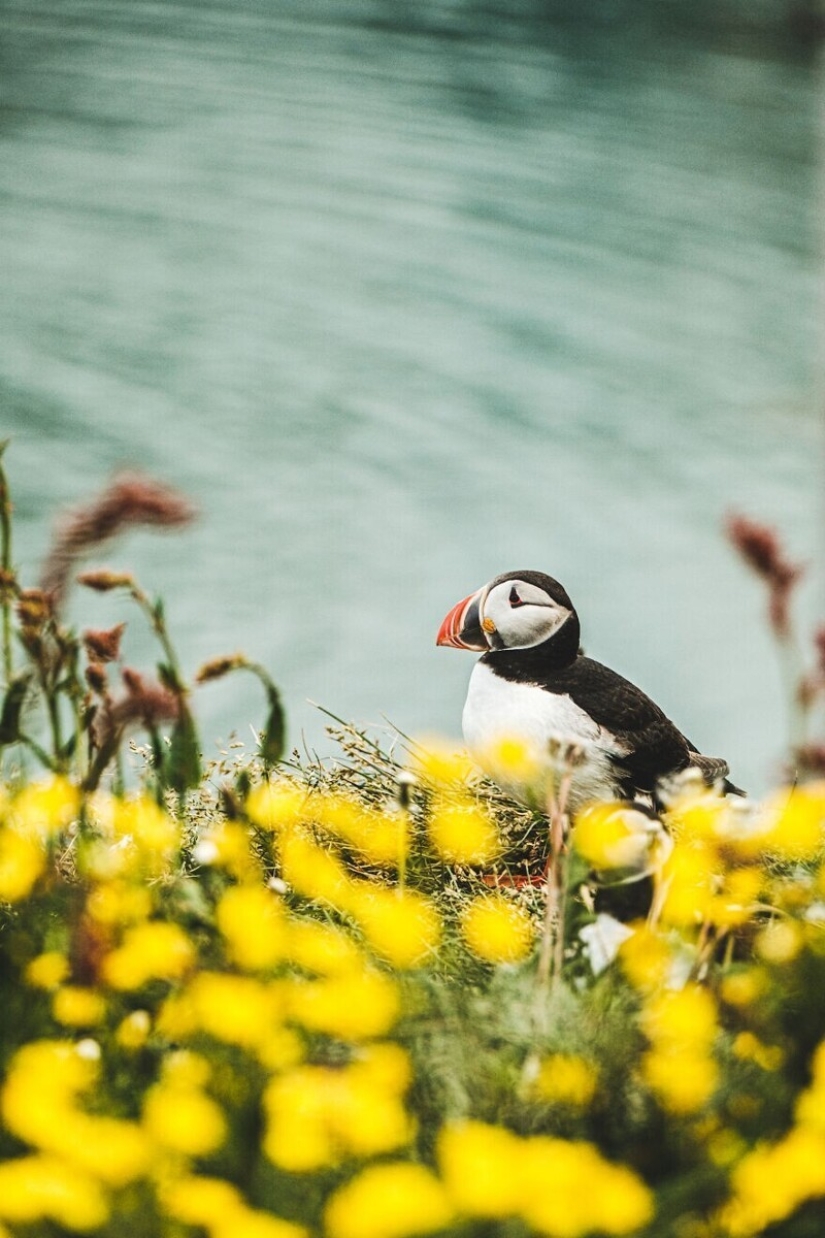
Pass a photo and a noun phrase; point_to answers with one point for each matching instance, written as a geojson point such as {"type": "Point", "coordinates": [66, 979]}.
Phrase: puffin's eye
{"type": "Point", "coordinates": [515, 600]}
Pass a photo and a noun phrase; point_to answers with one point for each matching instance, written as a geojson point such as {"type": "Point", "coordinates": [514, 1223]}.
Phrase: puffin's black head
{"type": "Point", "coordinates": [517, 610]}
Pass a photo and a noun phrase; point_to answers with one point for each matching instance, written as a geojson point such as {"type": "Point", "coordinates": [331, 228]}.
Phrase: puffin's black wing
{"type": "Point", "coordinates": [655, 747]}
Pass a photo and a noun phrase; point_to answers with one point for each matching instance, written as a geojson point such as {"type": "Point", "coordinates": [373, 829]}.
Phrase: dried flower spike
{"type": "Point", "coordinates": [102, 581]}
{"type": "Point", "coordinates": [103, 645]}
{"type": "Point", "coordinates": [130, 500]}
{"type": "Point", "coordinates": [760, 547]}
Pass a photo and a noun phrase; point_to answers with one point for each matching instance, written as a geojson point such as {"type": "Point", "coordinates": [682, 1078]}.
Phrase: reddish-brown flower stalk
{"type": "Point", "coordinates": [144, 703]}
{"type": "Point", "coordinates": [760, 547]}
{"type": "Point", "coordinates": [131, 499]}
{"type": "Point", "coordinates": [103, 645]}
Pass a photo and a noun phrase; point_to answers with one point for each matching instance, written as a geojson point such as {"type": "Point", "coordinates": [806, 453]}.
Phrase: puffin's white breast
{"type": "Point", "coordinates": [498, 709]}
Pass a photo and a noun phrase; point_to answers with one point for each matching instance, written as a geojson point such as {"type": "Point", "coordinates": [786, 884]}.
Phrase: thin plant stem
{"type": "Point", "coordinates": [5, 565]}
{"type": "Point", "coordinates": [551, 954]}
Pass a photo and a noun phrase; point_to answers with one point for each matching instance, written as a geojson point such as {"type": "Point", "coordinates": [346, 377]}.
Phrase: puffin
{"type": "Point", "coordinates": [533, 684]}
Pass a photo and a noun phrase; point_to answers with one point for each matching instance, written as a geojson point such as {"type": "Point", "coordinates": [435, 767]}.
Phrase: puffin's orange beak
{"type": "Point", "coordinates": [462, 626]}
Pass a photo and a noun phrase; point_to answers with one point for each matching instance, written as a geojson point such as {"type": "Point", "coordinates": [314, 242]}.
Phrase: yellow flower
{"type": "Point", "coordinates": [227, 845]}
{"type": "Point", "coordinates": [313, 871]}
{"type": "Point", "coordinates": [45, 808]}
{"type": "Point", "coordinates": [355, 1007]}
{"type": "Point", "coordinates": [43, 1079]}
{"type": "Point", "coordinates": [78, 1007]}
{"type": "Point", "coordinates": [112, 1150]}
{"type": "Point", "coordinates": [569, 1190]}
{"type": "Point", "coordinates": [380, 837]}
{"type": "Point", "coordinates": [153, 832]}
{"type": "Point", "coordinates": [119, 902]}
{"type": "Point", "coordinates": [440, 764]}
{"type": "Point", "coordinates": [200, 1201]}
{"type": "Point", "coordinates": [511, 761]}
{"type": "Point", "coordinates": [497, 930]}
{"type": "Point", "coordinates": [133, 1031]}
{"type": "Point", "coordinates": [681, 1018]}
{"type": "Point", "coordinates": [566, 1080]}
{"type": "Point", "coordinates": [480, 1167]}
{"type": "Point", "coordinates": [740, 988]}
{"type": "Point", "coordinates": [253, 921]}
{"type": "Point", "coordinates": [750, 1048]}
{"type": "Point", "coordinates": [797, 817]}
{"type": "Point", "coordinates": [316, 1115]}
{"type": "Point", "coordinates": [180, 1117]}
{"type": "Point", "coordinates": [251, 1223]}
{"type": "Point", "coordinates": [779, 942]}
{"type": "Point", "coordinates": [388, 1201]}
{"type": "Point", "coordinates": [33, 1188]}
{"type": "Point", "coordinates": [21, 863]}
{"type": "Point", "coordinates": [156, 950]}
{"type": "Point", "coordinates": [276, 805]}
{"type": "Point", "coordinates": [771, 1182]}
{"type": "Point", "coordinates": [684, 1082]}
{"type": "Point", "coordinates": [402, 926]}
{"type": "Point", "coordinates": [612, 836]}
{"type": "Point", "coordinates": [462, 833]}
{"type": "Point", "coordinates": [235, 1009]}
{"type": "Point", "coordinates": [689, 874]}
{"type": "Point", "coordinates": [321, 948]}
{"type": "Point", "coordinates": [645, 959]}
{"type": "Point", "coordinates": [47, 970]}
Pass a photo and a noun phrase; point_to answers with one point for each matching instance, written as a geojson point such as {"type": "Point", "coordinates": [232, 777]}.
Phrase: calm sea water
{"type": "Point", "coordinates": [406, 296]}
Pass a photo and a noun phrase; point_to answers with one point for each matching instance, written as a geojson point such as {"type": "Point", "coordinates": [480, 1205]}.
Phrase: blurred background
{"type": "Point", "coordinates": [409, 294]}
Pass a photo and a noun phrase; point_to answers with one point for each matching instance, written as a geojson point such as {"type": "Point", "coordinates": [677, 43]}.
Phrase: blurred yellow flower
{"type": "Point", "coordinates": [45, 808]}
{"type": "Point", "coordinates": [119, 902]}
{"type": "Point", "coordinates": [21, 863]}
{"type": "Point", "coordinates": [462, 833]}
{"type": "Point", "coordinates": [47, 970]}
{"type": "Point", "coordinates": [253, 922]}
{"type": "Point", "coordinates": [317, 1115]}
{"type": "Point", "coordinates": [569, 1190]}
{"type": "Point", "coordinates": [480, 1168]}
{"type": "Point", "coordinates": [497, 929]}
{"type": "Point", "coordinates": [645, 958]}
{"type": "Point", "coordinates": [681, 1018]}
{"type": "Point", "coordinates": [612, 836]}
{"type": "Point", "coordinates": [401, 926]}
{"type": "Point", "coordinates": [156, 950]}
{"type": "Point", "coordinates": [357, 1006]}
{"type": "Point", "coordinates": [750, 1048]}
{"type": "Point", "coordinates": [740, 988]}
{"type": "Point", "coordinates": [110, 1149]}
{"type": "Point", "coordinates": [133, 1031]}
{"type": "Point", "coordinates": [153, 832]}
{"type": "Point", "coordinates": [683, 1082]}
{"type": "Point", "coordinates": [512, 761]}
{"type": "Point", "coordinates": [380, 837]}
{"type": "Point", "coordinates": [235, 1009]}
{"type": "Point", "coordinates": [75, 1006]}
{"type": "Point", "coordinates": [391, 1200]}
{"type": "Point", "coordinates": [199, 1200]}
{"type": "Point", "coordinates": [34, 1188]}
{"type": "Point", "coordinates": [566, 1080]}
{"type": "Point", "coordinates": [178, 1116]}
{"type": "Point", "coordinates": [441, 764]}
{"type": "Point", "coordinates": [276, 805]}
{"type": "Point", "coordinates": [779, 942]}
{"type": "Point", "coordinates": [772, 1181]}
{"type": "Point", "coordinates": [313, 871]}
{"type": "Point", "coordinates": [796, 821]}
{"type": "Point", "coordinates": [689, 875]}
{"type": "Point", "coordinates": [321, 948]}
{"type": "Point", "coordinates": [252, 1223]}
